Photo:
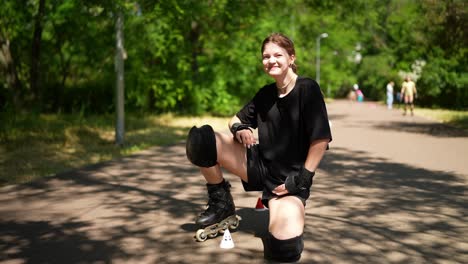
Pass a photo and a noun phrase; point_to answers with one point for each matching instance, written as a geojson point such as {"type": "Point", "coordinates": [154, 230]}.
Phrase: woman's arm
{"type": "Point", "coordinates": [233, 120]}
{"type": "Point", "coordinates": [316, 151]}
{"type": "Point", "coordinates": [244, 136]}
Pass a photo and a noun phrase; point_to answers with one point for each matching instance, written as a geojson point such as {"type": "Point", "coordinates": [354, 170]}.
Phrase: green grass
{"type": "Point", "coordinates": [36, 146]}
{"type": "Point", "coordinates": [451, 117]}
{"type": "Point", "coordinates": [458, 119]}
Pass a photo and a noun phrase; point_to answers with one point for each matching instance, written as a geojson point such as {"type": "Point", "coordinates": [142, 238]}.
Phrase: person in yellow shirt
{"type": "Point", "coordinates": [409, 93]}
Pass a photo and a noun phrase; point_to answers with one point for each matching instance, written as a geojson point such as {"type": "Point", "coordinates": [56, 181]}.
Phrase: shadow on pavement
{"type": "Point", "coordinates": [371, 210]}
{"type": "Point", "coordinates": [363, 209]}
{"type": "Point", "coordinates": [432, 129]}
{"type": "Point", "coordinates": [44, 242]}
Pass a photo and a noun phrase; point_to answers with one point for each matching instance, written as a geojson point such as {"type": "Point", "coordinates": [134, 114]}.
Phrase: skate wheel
{"type": "Point", "coordinates": [200, 235]}
{"type": "Point", "coordinates": [212, 235]}
{"type": "Point", "coordinates": [234, 225]}
{"type": "Point", "coordinates": [225, 226]}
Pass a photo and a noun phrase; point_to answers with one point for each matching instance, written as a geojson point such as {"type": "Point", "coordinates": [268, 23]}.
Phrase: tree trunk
{"type": "Point", "coordinates": [194, 40]}
{"type": "Point", "coordinates": [9, 67]}
{"type": "Point", "coordinates": [36, 53]}
{"type": "Point", "coordinates": [119, 69]}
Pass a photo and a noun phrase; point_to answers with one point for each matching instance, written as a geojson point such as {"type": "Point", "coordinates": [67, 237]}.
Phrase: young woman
{"type": "Point", "coordinates": [293, 130]}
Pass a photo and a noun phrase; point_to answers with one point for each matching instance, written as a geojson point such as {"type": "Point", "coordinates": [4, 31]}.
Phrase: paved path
{"type": "Point", "coordinates": [391, 189]}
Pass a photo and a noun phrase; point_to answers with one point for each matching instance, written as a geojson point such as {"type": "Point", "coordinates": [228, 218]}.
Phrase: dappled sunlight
{"type": "Point", "coordinates": [39, 241]}
{"type": "Point", "coordinates": [385, 211]}
{"type": "Point", "coordinates": [363, 209]}
{"type": "Point", "coordinates": [432, 129]}
{"type": "Point", "coordinates": [366, 206]}
{"type": "Point", "coordinates": [218, 123]}
{"type": "Point", "coordinates": [55, 143]}
{"type": "Point", "coordinates": [136, 207]}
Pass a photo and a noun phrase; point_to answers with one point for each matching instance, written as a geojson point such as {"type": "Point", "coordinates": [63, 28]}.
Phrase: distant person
{"type": "Point", "coordinates": [359, 93]}
{"type": "Point", "coordinates": [390, 86]}
{"type": "Point", "coordinates": [352, 97]}
{"type": "Point", "coordinates": [399, 97]}
{"type": "Point", "coordinates": [409, 93]}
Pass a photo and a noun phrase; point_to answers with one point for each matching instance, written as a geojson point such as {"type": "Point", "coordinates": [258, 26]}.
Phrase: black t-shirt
{"type": "Point", "coordinates": [287, 125]}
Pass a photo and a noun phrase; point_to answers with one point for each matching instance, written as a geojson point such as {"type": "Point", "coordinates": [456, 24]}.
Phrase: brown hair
{"type": "Point", "coordinates": [282, 41]}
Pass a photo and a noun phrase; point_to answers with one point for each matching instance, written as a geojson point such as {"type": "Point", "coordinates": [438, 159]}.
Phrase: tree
{"type": "Point", "coordinates": [194, 57]}
{"type": "Point", "coordinates": [36, 53]}
{"type": "Point", "coordinates": [119, 70]}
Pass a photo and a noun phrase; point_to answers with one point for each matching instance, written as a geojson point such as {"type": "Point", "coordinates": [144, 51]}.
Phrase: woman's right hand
{"type": "Point", "coordinates": [246, 137]}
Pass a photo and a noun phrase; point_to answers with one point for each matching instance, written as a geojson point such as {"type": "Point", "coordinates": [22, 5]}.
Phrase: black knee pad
{"type": "Point", "coordinates": [201, 146]}
{"type": "Point", "coordinates": [288, 250]}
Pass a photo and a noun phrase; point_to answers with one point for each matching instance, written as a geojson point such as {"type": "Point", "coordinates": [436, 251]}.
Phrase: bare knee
{"type": "Point", "coordinates": [286, 217]}
{"type": "Point", "coordinates": [284, 241]}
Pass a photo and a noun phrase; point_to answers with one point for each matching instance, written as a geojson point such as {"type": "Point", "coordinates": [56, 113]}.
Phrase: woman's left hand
{"type": "Point", "coordinates": [280, 190]}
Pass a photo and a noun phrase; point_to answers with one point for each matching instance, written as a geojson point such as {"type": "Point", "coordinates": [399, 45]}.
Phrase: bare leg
{"type": "Point", "coordinates": [284, 242]}
{"type": "Point", "coordinates": [213, 175]}
{"type": "Point", "coordinates": [231, 156]}
{"type": "Point", "coordinates": [406, 100]}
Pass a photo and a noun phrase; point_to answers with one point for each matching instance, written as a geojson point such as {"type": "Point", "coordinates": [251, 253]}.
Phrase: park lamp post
{"type": "Point", "coordinates": [321, 36]}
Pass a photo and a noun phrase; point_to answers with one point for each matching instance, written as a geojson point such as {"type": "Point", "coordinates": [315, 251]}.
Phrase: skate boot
{"type": "Point", "coordinates": [220, 214]}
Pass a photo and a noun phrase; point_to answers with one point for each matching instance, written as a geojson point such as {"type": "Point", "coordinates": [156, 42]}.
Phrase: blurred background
{"type": "Point", "coordinates": [70, 69]}
{"type": "Point", "coordinates": [190, 56]}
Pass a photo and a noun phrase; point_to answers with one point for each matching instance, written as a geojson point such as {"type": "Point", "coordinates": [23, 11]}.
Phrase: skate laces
{"type": "Point", "coordinates": [215, 202]}
{"type": "Point", "coordinates": [210, 206]}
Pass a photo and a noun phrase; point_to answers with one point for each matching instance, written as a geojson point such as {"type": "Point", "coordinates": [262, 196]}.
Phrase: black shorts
{"type": "Point", "coordinates": [257, 172]}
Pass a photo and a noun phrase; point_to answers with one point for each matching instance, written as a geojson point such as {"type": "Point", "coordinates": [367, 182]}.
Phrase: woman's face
{"type": "Point", "coordinates": [276, 60]}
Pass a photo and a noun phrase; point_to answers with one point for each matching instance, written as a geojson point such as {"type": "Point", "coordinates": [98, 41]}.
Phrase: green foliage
{"type": "Point", "coordinates": [443, 84]}
{"type": "Point", "coordinates": [376, 71]}
{"type": "Point", "coordinates": [198, 57]}
{"type": "Point", "coordinates": [39, 145]}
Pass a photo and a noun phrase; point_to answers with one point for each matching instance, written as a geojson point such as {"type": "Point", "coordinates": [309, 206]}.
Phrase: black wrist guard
{"type": "Point", "coordinates": [238, 127]}
{"type": "Point", "coordinates": [299, 182]}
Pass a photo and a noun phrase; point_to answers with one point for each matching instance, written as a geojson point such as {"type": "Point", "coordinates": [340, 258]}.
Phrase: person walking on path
{"type": "Point", "coordinates": [292, 121]}
{"type": "Point", "coordinates": [409, 93]}
{"type": "Point", "coordinates": [390, 86]}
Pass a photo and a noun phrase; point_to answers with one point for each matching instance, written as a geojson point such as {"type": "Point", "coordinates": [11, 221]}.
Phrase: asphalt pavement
{"type": "Point", "coordinates": [391, 189]}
